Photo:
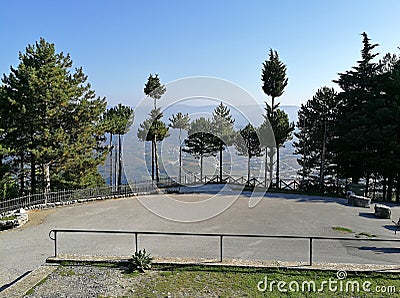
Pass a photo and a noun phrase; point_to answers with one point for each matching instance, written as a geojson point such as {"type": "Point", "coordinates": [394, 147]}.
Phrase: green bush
{"type": "Point", "coordinates": [141, 260]}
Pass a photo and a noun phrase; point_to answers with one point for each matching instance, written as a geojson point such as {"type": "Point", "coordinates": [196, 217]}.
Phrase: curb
{"type": "Point", "coordinates": [23, 285]}
{"type": "Point", "coordinates": [181, 262]}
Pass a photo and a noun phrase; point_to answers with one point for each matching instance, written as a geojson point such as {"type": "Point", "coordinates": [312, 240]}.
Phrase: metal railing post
{"type": "Point", "coordinates": [220, 248]}
{"type": "Point", "coordinates": [311, 251]}
{"type": "Point", "coordinates": [136, 242]}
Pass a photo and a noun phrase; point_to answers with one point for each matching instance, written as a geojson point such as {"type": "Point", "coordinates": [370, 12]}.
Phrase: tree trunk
{"type": "Point", "coordinates": [22, 176]}
{"type": "Point", "coordinates": [47, 177]}
{"type": "Point", "coordinates": [201, 168]}
{"type": "Point", "coordinates": [115, 163]}
{"type": "Point", "coordinates": [248, 170]}
{"type": "Point", "coordinates": [374, 187]}
{"type": "Point", "coordinates": [156, 160]}
{"type": "Point", "coordinates": [277, 167]}
{"type": "Point", "coordinates": [265, 167]}
{"type": "Point", "coordinates": [367, 184]}
{"type": "Point", "coordinates": [33, 174]}
{"type": "Point", "coordinates": [271, 165]}
{"type": "Point", "coordinates": [180, 156]}
{"type": "Point", "coordinates": [111, 163]}
{"type": "Point", "coordinates": [220, 162]}
{"type": "Point", "coordinates": [398, 188]}
{"type": "Point", "coordinates": [384, 188]}
{"type": "Point", "coordinates": [390, 188]}
{"type": "Point", "coordinates": [152, 160]}
{"type": "Point", "coordinates": [322, 165]}
{"type": "Point", "coordinates": [119, 161]}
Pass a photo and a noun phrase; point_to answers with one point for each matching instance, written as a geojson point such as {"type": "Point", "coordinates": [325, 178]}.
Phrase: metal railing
{"type": "Point", "coordinates": [65, 196]}
{"type": "Point", "coordinates": [53, 236]}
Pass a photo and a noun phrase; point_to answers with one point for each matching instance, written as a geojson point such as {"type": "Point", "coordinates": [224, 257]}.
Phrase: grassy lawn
{"type": "Point", "coordinates": [199, 281]}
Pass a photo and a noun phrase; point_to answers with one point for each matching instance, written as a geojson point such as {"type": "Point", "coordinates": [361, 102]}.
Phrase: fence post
{"type": "Point", "coordinates": [136, 242]}
{"type": "Point", "coordinates": [220, 248]}
{"type": "Point", "coordinates": [311, 251]}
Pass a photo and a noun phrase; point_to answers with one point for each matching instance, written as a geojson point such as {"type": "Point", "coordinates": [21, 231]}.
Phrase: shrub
{"type": "Point", "coordinates": [141, 260]}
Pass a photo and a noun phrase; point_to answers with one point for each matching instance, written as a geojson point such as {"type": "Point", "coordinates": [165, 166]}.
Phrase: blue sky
{"type": "Point", "coordinates": [118, 43]}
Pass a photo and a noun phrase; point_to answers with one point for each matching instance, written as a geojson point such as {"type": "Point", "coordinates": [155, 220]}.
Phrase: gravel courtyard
{"type": "Point", "coordinates": [22, 250]}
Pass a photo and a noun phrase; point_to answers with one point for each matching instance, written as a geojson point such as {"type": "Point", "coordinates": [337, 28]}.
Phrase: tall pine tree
{"type": "Point", "coordinates": [222, 127]}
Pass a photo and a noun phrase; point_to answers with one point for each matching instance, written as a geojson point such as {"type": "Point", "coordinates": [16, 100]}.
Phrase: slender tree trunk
{"type": "Point", "coordinates": [180, 156]}
{"type": "Point", "coordinates": [220, 162]}
{"type": "Point", "coordinates": [374, 187]}
{"type": "Point", "coordinates": [265, 167]}
{"type": "Point", "coordinates": [367, 184]}
{"type": "Point", "coordinates": [390, 188]}
{"type": "Point", "coordinates": [322, 165]}
{"type": "Point", "coordinates": [272, 106]}
{"type": "Point", "coordinates": [384, 188]}
{"type": "Point", "coordinates": [47, 177]}
{"type": "Point", "coordinates": [398, 188]}
{"type": "Point", "coordinates": [271, 165]}
{"type": "Point", "coordinates": [201, 168]}
{"type": "Point", "coordinates": [115, 163]}
{"type": "Point", "coordinates": [33, 174]}
{"type": "Point", "coordinates": [156, 160]}
{"type": "Point", "coordinates": [277, 166]}
{"type": "Point", "coordinates": [22, 175]}
{"type": "Point", "coordinates": [111, 163]}
{"type": "Point", "coordinates": [119, 161]}
{"type": "Point", "coordinates": [152, 160]}
{"type": "Point", "coordinates": [248, 170]}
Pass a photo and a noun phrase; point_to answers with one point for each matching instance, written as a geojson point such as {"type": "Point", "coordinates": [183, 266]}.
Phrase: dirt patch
{"type": "Point", "coordinates": [37, 217]}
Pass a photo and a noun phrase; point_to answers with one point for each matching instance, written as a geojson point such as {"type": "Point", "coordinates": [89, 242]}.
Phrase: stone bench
{"type": "Point", "coordinates": [358, 201]}
{"type": "Point", "coordinates": [382, 211]}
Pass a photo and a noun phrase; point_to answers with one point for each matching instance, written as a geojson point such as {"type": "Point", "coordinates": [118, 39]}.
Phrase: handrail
{"type": "Point", "coordinates": [54, 233]}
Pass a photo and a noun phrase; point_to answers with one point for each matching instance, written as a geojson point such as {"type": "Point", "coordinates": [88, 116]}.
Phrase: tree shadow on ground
{"type": "Point", "coordinates": [380, 250]}
{"type": "Point", "coordinates": [367, 215]}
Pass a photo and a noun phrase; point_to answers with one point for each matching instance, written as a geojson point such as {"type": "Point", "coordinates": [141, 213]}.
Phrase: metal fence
{"type": "Point", "coordinates": [77, 195]}
{"type": "Point", "coordinates": [311, 239]}
{"type": "Point", "coordinates": [136, 187]}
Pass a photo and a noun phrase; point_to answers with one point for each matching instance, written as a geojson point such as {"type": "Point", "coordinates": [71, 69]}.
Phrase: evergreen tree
{"type": "Point", "coordinates": [52, 117]}
{"type": "Point", "coordinates": [200, 142]}
{"type": "Point", "coordinates": [123, 121]}
{"type": "Point", "coordinates": [316, 123]}
{"type": "Point", "coordinates": [274, 77]}
{"type": "Point", "coordinates": [274, 82]}
{"type": "Point", "coordinates": [247, 143]}
{"type": "Point", "coordinates": [353, 126]}
{"type": "Point", "coordinates": [222, 127]}
{"type": "Point", "coordinates": [153, 130]}
{"type": "Point", "coordinates": [155, 90]}
{"type": "Point", "coordinates": [181, 122]}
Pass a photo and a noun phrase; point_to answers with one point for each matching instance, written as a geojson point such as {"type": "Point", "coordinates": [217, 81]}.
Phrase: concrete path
{"type": "Point", "coordinates": [24, 249]}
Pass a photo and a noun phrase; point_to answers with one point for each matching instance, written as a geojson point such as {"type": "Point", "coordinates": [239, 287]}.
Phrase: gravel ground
{"type": "Point", "coordinates": [86, 281]}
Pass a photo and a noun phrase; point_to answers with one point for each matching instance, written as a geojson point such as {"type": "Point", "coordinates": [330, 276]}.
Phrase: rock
{"type": "Point", "coordinates": [382, 211]}
{"type": "Point", "coordinates": [359, 201]}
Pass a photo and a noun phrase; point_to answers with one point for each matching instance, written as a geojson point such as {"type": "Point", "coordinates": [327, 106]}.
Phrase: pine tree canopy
{"type": "Point", "coordinates": [51, 117]}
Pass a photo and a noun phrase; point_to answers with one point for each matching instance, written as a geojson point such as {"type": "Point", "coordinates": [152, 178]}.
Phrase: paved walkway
{"type": "Point", "coordinates": [24, 249]}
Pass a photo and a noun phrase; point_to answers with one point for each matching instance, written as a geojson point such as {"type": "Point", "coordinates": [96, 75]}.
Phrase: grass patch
{"type": "Point", "coordinates": [359, 235]}
{"type": "Point", "coordinates": [12, 217]}
{"type": "Point", "coordinates": [32, 290]}
{"type": "Point", "coordinates": [202, 281]}
{"type": "Point", "coordinates": [342, 230]}
{"type": "Point", "coordinates": [66, 272]}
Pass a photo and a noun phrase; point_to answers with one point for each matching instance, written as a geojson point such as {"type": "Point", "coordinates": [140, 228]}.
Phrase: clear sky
{"type": "Point", "coordinates": [119, 43]}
